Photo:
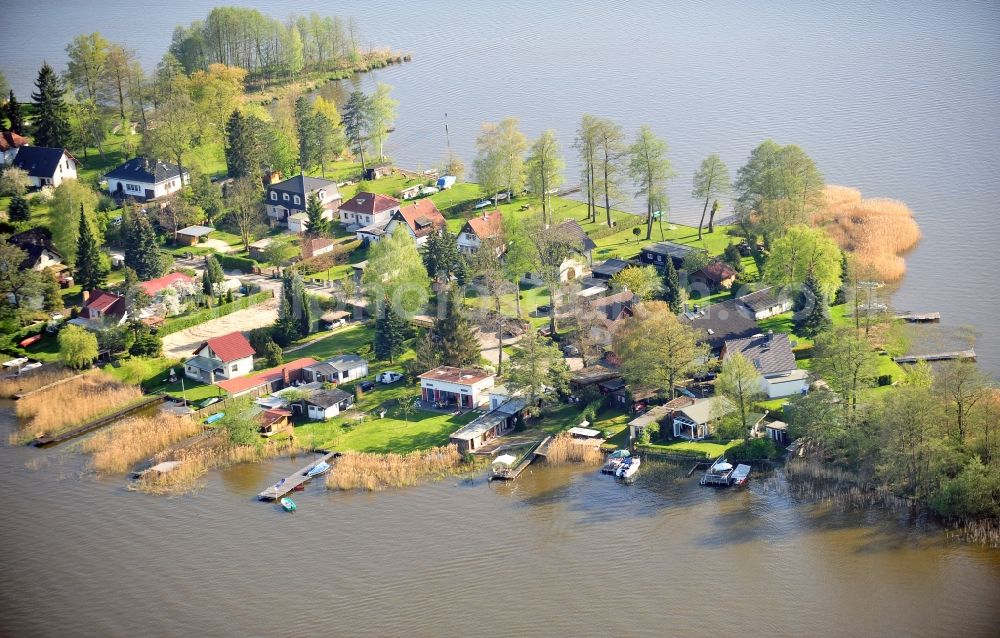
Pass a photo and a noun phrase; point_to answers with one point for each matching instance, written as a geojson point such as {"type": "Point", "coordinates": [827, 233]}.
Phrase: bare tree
{"type": "Point", "coordinates": [245, 207]}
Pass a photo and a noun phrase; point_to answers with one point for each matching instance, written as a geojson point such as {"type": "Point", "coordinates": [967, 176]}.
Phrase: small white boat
{"type": "Point", "coordinates": [320, 468]}
{"type": "Point", "coordinates": [740, 475]}
{"type": "Point", "coordinates": [629, 468]}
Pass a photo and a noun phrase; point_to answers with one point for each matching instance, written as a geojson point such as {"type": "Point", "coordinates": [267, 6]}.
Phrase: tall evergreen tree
{"type": "Point", "coordinates": [301, 306]}
{"type": "Point", "coordinates": [457, 344]}
{"type": "Point", "coordinates": [141, 252]}
{"type": "Point", "coordinates": [19, 209]}
{"type": "Point", "coordinates": [51, 125]}
{"type": "Point", "coordinates": [356, 120]}
{"type": "Point", "coordinates": [307, 128]}
{"type": "Point", "coordinates": [390, 334]}
{"type": "Point", "coordinates": [212, 276]}
{"type": "Point", "coordinates": [14, 114]}
{"type": "Point", "coordinates": [317, 225]}
{"type": "Point", "coordinates": [286, 329]}
{"type": "Point", "coordinates": [812, 311]}
{"type": "Point", "coordinates": [245, 150]}
{"type": "Point", "coordinates": [442, 258]}
{"type": "Point", "coordinates": [671, 287]}
{"type": "Point", "coordinates": [90, 272]}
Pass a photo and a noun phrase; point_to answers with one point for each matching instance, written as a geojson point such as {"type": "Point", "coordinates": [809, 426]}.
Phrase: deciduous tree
{"type": "Point", "coordinates": [847, 363]}
{"type": "Point", "coordinates": [77, 347]}
{"type": "Point", "coordinates": [396, 275]}
{"type": "Point", "coordinates": [641, 281]}
{"type": "Point", "coordinates": [656, 349]}
{"type": "Point", "coordinates": [357, 121]}
{"type": "Point", "coordinates": [650, 169]}
{"type": "Point", "coordinates": [245, 208]}
{"type": "Point", "coordinates": [710, 181]}
{"type": "Point", "coordinates": [534, 366]}
{"type": "Point", "coordinates": [64, 208]}
{"type": "Point", "coordinates": [610, 140]}
{"type": "Point", "coordinates": [545, 171]}
{"type": "Point", "coordinates": [741, 385]}
{"type": "Point", "coordinates": [382, 115]}
{"type": "Point", "coordinates": [804, 252]}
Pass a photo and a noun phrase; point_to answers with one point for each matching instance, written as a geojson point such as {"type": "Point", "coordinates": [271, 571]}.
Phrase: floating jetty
{"type": "Point", "coordinates": [937, 356]}
{"type": "Point", "coordinates": [44, 441]}
{"type": "Point", "coordinates": [512, 472]}
{"type": "Point", "coordinates": [723, 474]}
{"type": "Point", "coordinates": [919, 317]}
{"type": "Point", "coordinates": [289, 483]}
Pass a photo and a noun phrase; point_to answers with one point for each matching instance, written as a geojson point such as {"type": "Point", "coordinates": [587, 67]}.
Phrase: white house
{"type": "Point", "coordinates": [462, 387]}
{"type": "Point", "coordinates": [772, 356]}
{"type": "Point", "coordinates": [479, 229]}
{"type": "Point", "coordinates": [339, 369]}
{"type": "Point", "coordinates": [220, 358]}
{"type": "Point", "coordinates": [143, 179]}
{"type": "Point", "coordinates": [765, 303]}
{"type": "Point", "coordinates": [101, 310]}
{"type": "Point", "coordinates": [368, 209]}
{"type": "Point", "coordinates": [326, 404]}
{"type": "Point", "coordinates": [10, 142]}
{"type": "Point", "coordinates": [288, 199]}
{"type": "Point", "coordinates": [696, 420]}
{"type": "Point", "coordinates": [45, 166]}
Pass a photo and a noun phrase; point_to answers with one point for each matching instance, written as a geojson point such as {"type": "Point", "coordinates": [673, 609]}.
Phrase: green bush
{"type": "Point", "coordinates": [177, 324]}
{"type": "Point", "coordinates": [621, 224]}
{"type": "Point", "coordinates": [232, 262]}
{"type": "Point", "coordinates": [757, 449]}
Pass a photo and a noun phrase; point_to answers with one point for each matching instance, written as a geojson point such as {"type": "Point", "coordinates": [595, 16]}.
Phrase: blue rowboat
{"type": "Point", "coordinates": [215, 417]}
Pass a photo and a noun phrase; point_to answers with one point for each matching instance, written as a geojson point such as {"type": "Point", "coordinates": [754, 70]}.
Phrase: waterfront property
{"type": "Point", "coordinates": [657, 254]}
{"type": "Point", "coordinates": [694, 419]}
{"type": "Point", "coordinates": [221, 358]}
{"type": "Point", "coordinates": [460, 387]}
{"type": "Point", "coordinates": [101, 310]}
{"type": "Point", "coordinates": [592, 375]}
{"type": "Point", "coordinates": [720, 322]}
{"type": "Point", "coordinates": [367, 210]}
{"type": "Point", "coordinates": [287, 199]}
{"type": "Point", "coordinates": [46, 167]}
{"type": "Point", "coordinates": [717, 275]}
{"type": "Point", "coordinates": [267, 381]}
{"type": "Point", "coordinates": [766, 302]}
{"type": "Point", "coordinates": [421, 219]}
{"type": "Point", "coordinates": [142, 179]}
{"type": "Point", "coordinates": [479, 229]}
{"type": "Point", "coordinates": [500, 420]}
{"type": "Point", "coordinates": [609, 269]}
{"type": "Point", "coordinates": [321, 405]}
{"type": "Point", "coordinates": [339, 369]}
{"type": "Point", "coordinates": [772, 356]}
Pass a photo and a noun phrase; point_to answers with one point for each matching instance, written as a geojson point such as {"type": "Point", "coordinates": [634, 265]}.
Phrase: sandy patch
{"type": "Point", "coordinates": [180, 345]}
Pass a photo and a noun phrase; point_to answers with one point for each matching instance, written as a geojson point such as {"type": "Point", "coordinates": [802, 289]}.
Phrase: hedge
{"type": "Point", "coordinates": [630, 222]}
{"type": "Point", "coordinates": [232, 262]}
{"type": "Point", "coordinates": [177, 324]}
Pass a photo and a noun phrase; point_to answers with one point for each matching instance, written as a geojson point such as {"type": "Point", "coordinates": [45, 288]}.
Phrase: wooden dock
{"type": "Point", "coordinates": [289, 483]}
{"type": "Point", "coordinates": [511, 473]}
{"type": "Point", "coordinates": [47, 386]}
{"type": "Point", "coordinates": [937, 356]}
{"type": "Point", "coordinates": [919, 317]}
{"type": "Point", "coordinates": [44, 441]}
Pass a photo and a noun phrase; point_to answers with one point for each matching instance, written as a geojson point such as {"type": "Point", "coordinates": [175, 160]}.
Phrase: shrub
{"type": "Point", "coordinates": [176, 324]}
{"type": "Point", "coordinates": [232, 262]}
{"type": "Point", "coordinates": [884, 379]}
{"type": "Point", "coordinates": [756, 449]}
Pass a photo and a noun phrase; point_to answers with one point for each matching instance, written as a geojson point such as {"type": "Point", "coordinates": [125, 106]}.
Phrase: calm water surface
{"type": "Point", "coordinates": [897, 99]}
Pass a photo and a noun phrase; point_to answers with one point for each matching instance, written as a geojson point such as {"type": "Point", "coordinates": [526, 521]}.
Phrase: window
{"type": "Point", "coordinates": [232, 368]}
{"type": "Point", "coordinates": [135, 188]}
{"type": "Point", "coordinates": [274, 196]}
{"type": "Point", "coordinates": [297, 200]}
{"type": "Point", "coordinates": [285, 196]}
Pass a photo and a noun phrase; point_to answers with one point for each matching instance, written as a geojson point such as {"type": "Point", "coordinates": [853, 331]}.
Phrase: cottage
{"type": "Point", "coordinates": [268, 381]}
{"type": "Point", "coordinates": [766, 302]}
{"type": "Point", "coordinates": [694, 419]}
{"type": "Point", "coordinates": [717, 275]}
{"type": "Point", "coordinates": [604, 314]}
{"type": "Point", "coordinates": [289, 198]}
{"type": "Point", "coordinates": [657, 254]}
{"type": "Point", "coordinates": [37, 244]}
{"type": "Point", "coordinates": [45, 166]}
{"type": "Point", "coordinates": [719, 322]}
{"type": "Point", "coordinates": [774, 360]}
{"type": "Point", "coordinates": [257, 249]}
{"type": "Point", "coordinates": [421, 219]}
{"type": "Point", "coordinates": [143, 179]}
{"type": "Point", "coordinates": [326, 404]}
{"type": "Point", "coordinates": [191, 235]}
{"type": "Point", "coordinates": [273, 420]}
{"type": "Point", "coordinates": [654, 416]}
{"type": "Point", "coordinates": [219, 358]}
{"type": "Point", "coordinates": [101, 310]}
{"type": "Point", "coordinates": [10, 142]}
{"type": "Point", "coordinates": [609, 269]}
{"type": "Point", "coordinates": [461, 387]}
{"type": "Point", "coordinates": [378, 171]}
{"type": "Point", "coordinates": [498, 421]}
{"type": "Point", "coordinates": [621, 396]}
{"type": "Point", "coordinates": [592, 375]}
{"type": "Point", "coordinates": [479, 229]}
{"type": "Point", "coordinates": [367, 209]}
{"type": "Point", "coordinates": [339, 369]}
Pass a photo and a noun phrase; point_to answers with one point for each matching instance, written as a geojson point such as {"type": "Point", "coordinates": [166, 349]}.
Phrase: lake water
{"type": "Point", "coordinates": [897, 99]}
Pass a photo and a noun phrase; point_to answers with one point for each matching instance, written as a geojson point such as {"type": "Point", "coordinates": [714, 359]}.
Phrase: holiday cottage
{"type": "Point", "coordinates": [462, 387]}
{"type": "Point", "coordinates": [221, 358]}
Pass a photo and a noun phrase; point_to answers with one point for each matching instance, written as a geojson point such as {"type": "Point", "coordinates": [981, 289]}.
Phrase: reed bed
{"type": "Point", "coordinates": [71, 404]}
{"type": "Point", "coordinates": [119, 448]}
{"type": "Point", "coordinates": [565, 449]}
{"type": "Point", "coordinates": [195, 462]}
{"type": "Point", "coordinates": [375, 472]}
{"type": "Point", "coordinates": [12, 386]}
{"type": "Point", "coordinates": [877, 231]}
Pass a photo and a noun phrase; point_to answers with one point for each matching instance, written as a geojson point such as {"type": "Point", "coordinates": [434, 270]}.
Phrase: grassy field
{"type": "Point", "coordinates": [708, 448]}
{"type": "Point", "coordinates": [393, 433]}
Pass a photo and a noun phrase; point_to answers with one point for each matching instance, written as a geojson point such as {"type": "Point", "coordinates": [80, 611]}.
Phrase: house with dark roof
{"type": "Point", "coordinates": [321, 405]}
{"type": "Point", "coordinates": [101, 310]}
{"type": "Point", "coordinates": [719, 322]}
{"type": "Point", "coordinates": [766, 302]}
{"type": "Point", "coordinates": [657, 254]}
{"type": "Point", "coordinates": [45, 166]}
{"type": "Point", "coordinates": [143, 178]}
{"type": "Point", "coordinates": [716, 275]}
{"type": "Point", "coordinates": [479, 229]}
{"type": "Point", "coordinates": [609, 269]}
{"type": "Point", "coordinates": [368, 209]}
{"type": "Point", "coordinates": [37, 244]}
{"type": "Point", "coordinates": [339, 369]}
{"type": "Point", "coordinates": [10, 142]}
{"type": "Point", "coordinates": [289, 198]}
{"type": "Point", "coordinates": [772, 356]}
{"type": "Point", "coordinates": [219, 358]}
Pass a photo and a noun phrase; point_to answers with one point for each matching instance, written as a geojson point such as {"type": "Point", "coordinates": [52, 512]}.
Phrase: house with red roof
{"type": "Point", "coordinates": [154, 287]}
{"type": "Point", "coordinates": [267, 381]}
{"type": "Point", "coordinates": [479, 229]}
{"type": "Point", "coordinates": [220, 358]}
{"type": "Point", "coordinates": [367, 209]}
{"type": "Point", "coordinates": [101, 310]}
{"type": "Point", "coordinates": [714, 276]}
{"type": "Point", "coordinates": [422, 218]}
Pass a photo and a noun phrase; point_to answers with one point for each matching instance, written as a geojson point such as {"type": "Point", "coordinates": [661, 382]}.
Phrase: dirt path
{"type": "Point", "coordinates": [181, 344]}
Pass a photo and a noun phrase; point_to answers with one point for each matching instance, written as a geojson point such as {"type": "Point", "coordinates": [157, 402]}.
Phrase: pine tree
{"type": "Point", "coordinates": [51, 126]}
{"type": "Point", "coordinates": [90, 272]}
{"type": "Point", "coordinates": [306, 127]}
{"type": "Point", "coordinates": [458, 345]}
{"type": "Point", "coordinates": [845, 280]}
{"type": "Point", "coordinates": [671, 287]}
{"type": "Point", "coordinates": [812, 311]}
{"type": "Point", "coordinates": [245, 150]}
{"type": "Point", "coordinates": [285, 328]}
{"type": "Point", "coordinates": [15, 115]}
{"type": "Point", "coordinates": [141, 252]}
{"type": "Point", "coordinates": [442, 258]}
{"type": "Point", "coordinates": [390, 334]}
{"type": "Point", "coordinates": [300, 306]}
{"type": "Point", "coordinates": [317, 225]}
{"type": "Point", "coordinates": [19, 209]}
{"type": "Point", "coordinates": [212, 276]}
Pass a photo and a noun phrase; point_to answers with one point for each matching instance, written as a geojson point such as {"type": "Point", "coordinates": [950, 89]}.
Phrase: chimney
{"type": "Point", "coordinates": [696, 308]}
{"type": "Point", "coordinates": [85, 296]}
{"type": "Point", "coordinates": [770, 335]}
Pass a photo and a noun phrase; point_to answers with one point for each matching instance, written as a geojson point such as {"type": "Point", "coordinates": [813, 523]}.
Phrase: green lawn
{"type": "Point", "coordinates": [349, 339]}
{"type": "Point", "coordinates": [531, 298]}
{"type": "Point", "coordinates": [390, 434]}
{"type": "Point", "coordinates": [707, 448]}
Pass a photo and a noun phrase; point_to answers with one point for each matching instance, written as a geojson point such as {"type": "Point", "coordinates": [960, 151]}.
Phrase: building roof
{"type": "Point", "coordinates": [327, 398]}
{"type": "Point", "coordinates": [33, 242]}
{"type": "Point", "coordinates": [764, 299]}
{"type": "Point", "coordinates": [369, 203]}
{"type": "Point", "coordinates": [610, 268]}
{"type": "Point", "coordinates": [303, 185]}
{"type": "Point", "coordinates": [345, 362]}
{"type": "Point", "coordinates": [146, 170]}
{"type": "Point", "coordinates": [594, 374]}
{"type": "Point", "coordinates": [240, 385]}
{"type": "Point", "coordinates": [572, 233]}
{"type": "Point", "coordinates": [316, 243]}
{"type": "Point", "coordinates": [40, 161]}
{"type": "Point", "coordinates": [423, 217]}
{"type": "Point", "coordinates": [154, 286]}
{"type": "Point", "coordinates": [651, 416]}
{"type": "Point", "coordinates": [229, 347]}
{"type": "Point", "coordinates": [721, 321]}
{"type": "Point", "coordinates": [701, 411]}
{"type": "Point", "coordinates": [461, 376]}
{"type": "Point", "coordinates": [612, 305]}
{"type": "Point", "coordinates": [202, 363]}
{"type": "Point", "coordinates": [716, 271]}
{"type": "Point", "coordinates": [491, 419]}
{"type": "Point", "coordinates": [770, 353]}
{"type": "Point", "coordinates": [103, 301]}
{"type": "Point", "coordinates": [10, 139]}
{"type": "Point", "coordinates": [195, 231]}
{"type": "Point", "coordinates": [672, 249]}
{"type": "Point", "coordinates": [485, 226]}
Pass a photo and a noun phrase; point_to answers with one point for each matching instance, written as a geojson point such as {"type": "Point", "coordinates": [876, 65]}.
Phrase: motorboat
{"type": "Point", "coordinates": [614, 461]}
{"type": "Point", "coordinates": [740, 475]}
{"type": "Point", "coordinates": [215, 417]}
{"type": "Point", "coordinates": [629, 467]}
{"type": "Point", "coordinates": [320, 468]}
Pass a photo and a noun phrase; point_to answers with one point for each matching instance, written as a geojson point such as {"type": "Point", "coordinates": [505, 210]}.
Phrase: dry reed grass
{"type": "Point", "coordinates": [876, 231]}
{"type": "Point", "coordinates": [373, 472]}
{"type": "Point", "coordinates": [213, 452]}
{"type": "Point", "coordinates": [124, 444]}
{"type": "Point", "coordinates": [72, 403]}
{"type": "Point", "coordinates": [12, 386]}
{"type": "Point", "coordinates": [564, 449]}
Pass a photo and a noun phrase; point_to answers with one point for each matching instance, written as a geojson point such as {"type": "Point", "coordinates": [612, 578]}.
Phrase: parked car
{"type": "Point", "coordinates": [571, 351]}
{"type": "Point", "coordinates": [367, 386]}
{"type": "Point", "coordinates": [542, 311]}
{"type": "Point", "coordinates": [390, 376]}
